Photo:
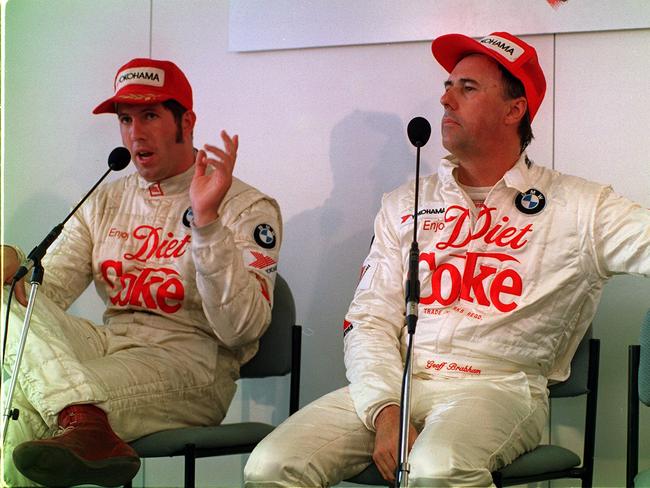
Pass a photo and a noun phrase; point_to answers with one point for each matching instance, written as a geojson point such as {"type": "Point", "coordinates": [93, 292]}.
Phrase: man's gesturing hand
{"type": "Point", "coordinates": [208, 188]}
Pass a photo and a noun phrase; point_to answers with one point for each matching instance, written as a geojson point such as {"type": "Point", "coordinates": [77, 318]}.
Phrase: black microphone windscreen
{"type": "Point", "coordinates": [419, 131]}
{"type": "Point", "coordinates": [119, 158]}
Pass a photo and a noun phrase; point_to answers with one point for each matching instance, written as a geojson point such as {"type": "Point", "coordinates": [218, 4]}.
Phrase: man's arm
{"type": "Point", "coordinates": [621, 235]}
{"type": "Point", "coordinates": [235, 245]}
{"type": "Point", "coordinates": [235, 272]}
{"type": "Point", "coordinates": [374, 326]}
{"type": "Point", "coordinates": [67, 264]}
{"type": "Point", "coordinates": [11, 261]}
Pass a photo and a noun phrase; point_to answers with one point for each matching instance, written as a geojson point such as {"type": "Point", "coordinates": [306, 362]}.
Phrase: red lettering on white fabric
{"type": "Point", "coordinates": [261, 261]}
{"type": "Point", "coordinates": [492, 233]}
{"type": "Point", "coordinates": [153, 245]}
{"type": "Point", "coordinates": [469, 284]}
{"type": "Point", "coordinates": [150, 288]}
{"type": "Point", "coordinates": [263, 287]}
{"type": "Point", "coordinates": [431, 364]}
{"type": "Point", "coordinates": [464, 368]}
{"type": "Point", "coordinates": [433, 225]}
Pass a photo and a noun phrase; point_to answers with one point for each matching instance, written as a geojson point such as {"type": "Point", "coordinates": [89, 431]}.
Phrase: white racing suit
{"type": "Point", "coordinates": [185, 307]}
{"type": "Point", "coordinates": [508, 289]}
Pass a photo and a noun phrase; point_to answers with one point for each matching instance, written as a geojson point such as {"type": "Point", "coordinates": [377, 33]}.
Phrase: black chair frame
{"type": "Point", "coordinates": [632, 465]}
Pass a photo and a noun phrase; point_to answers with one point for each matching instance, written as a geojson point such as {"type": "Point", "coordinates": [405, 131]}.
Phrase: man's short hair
{"type": "Point", "coordinates": [177, 111]}
{"type": "Point", "coordinates": [514, 88]}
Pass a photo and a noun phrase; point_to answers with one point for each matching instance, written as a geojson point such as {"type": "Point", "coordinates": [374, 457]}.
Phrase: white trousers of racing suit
{"type": "Point", "coordinates": [79, 362]}
{"type": "Point", "coordinates": [326, 442]}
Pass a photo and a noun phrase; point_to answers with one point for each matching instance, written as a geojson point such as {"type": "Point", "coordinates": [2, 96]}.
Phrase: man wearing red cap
{"type": "Point", "coordinates": [184, 257]}
{"type": "Point", "coordinates": [513, 259]}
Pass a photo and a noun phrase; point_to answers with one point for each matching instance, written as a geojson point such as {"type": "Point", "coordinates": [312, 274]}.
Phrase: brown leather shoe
{"type": "Point", "coordinates": [86, 451]}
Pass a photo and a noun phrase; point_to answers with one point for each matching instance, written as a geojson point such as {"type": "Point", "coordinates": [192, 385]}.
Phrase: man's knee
{"type": "Point", "coordinates": [271, 464]}
{"type": "Point", "coordinates": [441, 466]}
{"type": "Point", "coordinates": [263, 466]}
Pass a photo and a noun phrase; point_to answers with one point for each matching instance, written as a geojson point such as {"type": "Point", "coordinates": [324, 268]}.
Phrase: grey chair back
{"type": "Point", "coordinates": [638, 390]}
{"type": "Point", "coordinates": [274, 355]}
{"type": "Point", "coordinates": [644, 361]}
{"type": "Point", "coordinates": [578, 381]}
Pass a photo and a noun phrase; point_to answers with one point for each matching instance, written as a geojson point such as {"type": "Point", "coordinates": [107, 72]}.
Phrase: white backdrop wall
{"type": "Point", "coordinates": [323, 131]}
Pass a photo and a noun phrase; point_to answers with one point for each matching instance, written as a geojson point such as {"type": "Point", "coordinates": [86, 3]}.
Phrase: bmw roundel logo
{"type": "Point", "coordinates": [265, 236]}
{"type": "Point", "coordinates": [531, 202]}
{"type": "Point", "coordinates": [188, 217]}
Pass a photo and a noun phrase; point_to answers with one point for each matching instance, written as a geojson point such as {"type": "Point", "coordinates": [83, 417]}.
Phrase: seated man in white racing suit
{"type": "Point", "coordinates": [184, 257]}
{"type": "Point", "coordinates": [513, 259]}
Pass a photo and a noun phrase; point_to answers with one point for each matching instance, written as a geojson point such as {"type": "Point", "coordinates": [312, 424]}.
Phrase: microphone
{"type": "Point", "coordinates": [419, 131]}
{"type": "Point", "coordinates": [118, 159]}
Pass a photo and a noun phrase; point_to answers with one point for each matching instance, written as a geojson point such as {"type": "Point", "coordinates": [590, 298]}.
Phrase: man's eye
{"type": "Point", "coordinates": [125, 120]}
{"type": "Point", "coordinates": [151, 115]}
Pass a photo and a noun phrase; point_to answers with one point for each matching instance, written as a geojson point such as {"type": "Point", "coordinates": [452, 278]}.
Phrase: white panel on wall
{"type": "Point", "coordinates": [601, 120]}
{"type": "Point", "coordinates": [286, 24]}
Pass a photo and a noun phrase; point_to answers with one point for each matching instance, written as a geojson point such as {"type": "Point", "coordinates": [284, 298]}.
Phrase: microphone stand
{"type": "Point", "coordinates": [36, 281]}
{"type": "Point", "coordinates": [412, 301]}
{"type": "Point", "coordinates": [118, 160]}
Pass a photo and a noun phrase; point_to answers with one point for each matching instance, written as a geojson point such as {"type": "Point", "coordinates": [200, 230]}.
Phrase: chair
{"type": "Point", "coordinates": [547, 462]}
{"type": "Point", "coordinates": [638, 388]}
{"type": "Point", "coordinates": [279, 354]}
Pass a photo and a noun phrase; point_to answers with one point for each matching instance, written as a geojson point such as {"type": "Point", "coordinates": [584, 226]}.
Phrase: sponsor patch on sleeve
{"type": "Point", "coordinates": [264, 235]}
{"type": "Point", "coordinates": [347, 327]}
{"type": "Point", "coordinates": [263, 288]}
{"type": "Point", "coordinates": [261, 261]}
{"type": "Point", "coordinates": [367, 272]}
{"type": "Point", "coordinates": [188, 217]}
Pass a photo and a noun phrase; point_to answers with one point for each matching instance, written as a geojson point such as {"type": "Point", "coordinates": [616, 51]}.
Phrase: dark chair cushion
{"type": "Point", "coordinates": [369, 476]}
{"type": "Point", "coordinates": [542, 459]}
{"type": "Point", "coordinates": [172, 442]}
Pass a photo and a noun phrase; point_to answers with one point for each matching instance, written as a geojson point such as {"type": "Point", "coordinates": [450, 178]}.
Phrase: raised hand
{"type": "Point", "coordinates": [209, 187]}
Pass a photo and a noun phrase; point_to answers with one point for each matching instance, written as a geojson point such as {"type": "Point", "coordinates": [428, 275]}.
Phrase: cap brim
{"type": "Point", "coordinates": [110, 106]}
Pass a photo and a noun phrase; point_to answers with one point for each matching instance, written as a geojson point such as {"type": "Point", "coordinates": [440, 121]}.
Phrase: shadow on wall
{"type": "Point", "coordinates": [324, 247]}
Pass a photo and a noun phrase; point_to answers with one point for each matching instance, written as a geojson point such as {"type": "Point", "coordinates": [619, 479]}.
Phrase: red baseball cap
{"type": "Point", "coordinates": [516, 56]}
{"type": "Point", "coordinates": [144, 81]}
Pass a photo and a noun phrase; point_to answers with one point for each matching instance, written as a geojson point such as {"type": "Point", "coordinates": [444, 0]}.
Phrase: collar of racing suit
{"type": "Point", "coordinates": [170, 186]}
{"type": "Point", "coordinates": [519, 176]}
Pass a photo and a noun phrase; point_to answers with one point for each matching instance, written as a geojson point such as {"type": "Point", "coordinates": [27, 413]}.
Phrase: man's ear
{"type": "Point", "coordinates": [516, 110]}
{"type": "Point", "coordinates": [187, 122]}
